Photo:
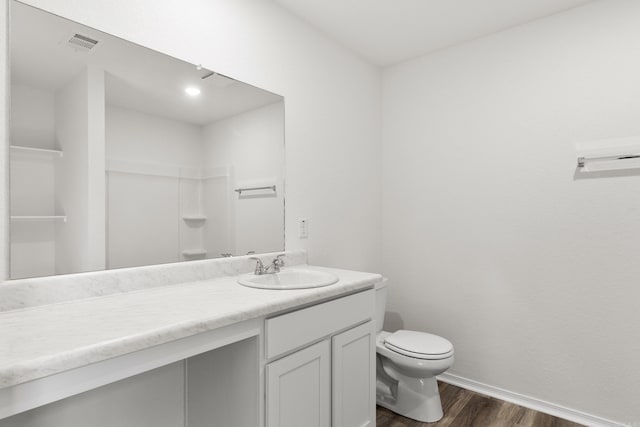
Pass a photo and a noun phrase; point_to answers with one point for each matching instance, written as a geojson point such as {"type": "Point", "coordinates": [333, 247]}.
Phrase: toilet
{"type": "Point", "coordinates": [406, 368]}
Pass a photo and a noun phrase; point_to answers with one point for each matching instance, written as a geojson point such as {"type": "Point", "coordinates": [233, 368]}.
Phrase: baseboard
{"type": "Point", "coordinates": [529, 402]}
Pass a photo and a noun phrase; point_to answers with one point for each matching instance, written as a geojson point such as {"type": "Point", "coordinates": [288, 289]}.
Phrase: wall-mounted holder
{"type": "Point", "coordinates": [582, 161]}
{"type": "Point", "coordinates": [268, 187]}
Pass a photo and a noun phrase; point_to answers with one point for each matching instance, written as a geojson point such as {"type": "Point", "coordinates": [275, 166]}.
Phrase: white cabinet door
{"type": "Point", "coordinates": [298, 388]}
{"type": "Point", "coordinates": [354, 377]}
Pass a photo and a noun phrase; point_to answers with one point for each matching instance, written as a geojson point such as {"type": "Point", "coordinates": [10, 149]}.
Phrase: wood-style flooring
{"type": "Point", "coordinates": [464, 408]}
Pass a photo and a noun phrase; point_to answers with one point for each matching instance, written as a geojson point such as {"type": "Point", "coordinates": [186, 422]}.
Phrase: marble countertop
{"type": "Point", "coordinates": [46, 339]}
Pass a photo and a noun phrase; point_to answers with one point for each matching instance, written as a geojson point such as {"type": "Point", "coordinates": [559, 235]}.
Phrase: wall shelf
{"type": "Point", "coordinates": [62, 218]}
{"type": "Point", "coordinates": [33, 150]}
{"type": "Point", "coordinates": [194, 252]}
{"type": "Point", "coordinates": [194, 218]}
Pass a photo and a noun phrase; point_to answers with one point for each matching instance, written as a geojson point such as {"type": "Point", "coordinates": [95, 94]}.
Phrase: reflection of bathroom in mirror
{"type": "Point", "coordinates": [114, 164]}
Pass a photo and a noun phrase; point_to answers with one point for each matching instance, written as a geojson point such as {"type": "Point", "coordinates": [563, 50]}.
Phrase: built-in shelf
{"type": "Point", "coordinates": [194, 252]}
{"type": "Point", "coordinates": [62, 218]}
{"type": "Point", "coordinates": [46, 151]}
{"type": "Point", "coordinates": [194, 218]}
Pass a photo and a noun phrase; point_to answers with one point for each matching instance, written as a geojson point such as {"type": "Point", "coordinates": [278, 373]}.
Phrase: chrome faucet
{"type": "Point", "coordinates": [274, 267]}
{"type": "Point", "coordinates": [259, 266]}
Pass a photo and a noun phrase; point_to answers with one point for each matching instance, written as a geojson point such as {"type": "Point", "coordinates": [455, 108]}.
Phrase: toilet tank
{"type": "Point", "coordinates": [381, 302]}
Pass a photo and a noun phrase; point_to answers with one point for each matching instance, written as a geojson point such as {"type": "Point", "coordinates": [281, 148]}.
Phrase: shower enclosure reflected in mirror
{"type": "Point", "coordinates": [122, 156]}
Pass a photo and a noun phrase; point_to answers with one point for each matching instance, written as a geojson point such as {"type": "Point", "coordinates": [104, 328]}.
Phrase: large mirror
{"type": "Point", "coordinates": [122, 156]}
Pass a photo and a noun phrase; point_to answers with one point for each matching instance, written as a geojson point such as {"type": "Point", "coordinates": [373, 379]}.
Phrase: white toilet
{"type": "Point", "coordinates": [407, 365]}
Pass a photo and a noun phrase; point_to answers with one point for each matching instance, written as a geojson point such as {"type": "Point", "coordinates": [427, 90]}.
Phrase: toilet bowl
{"type": "Point", "coordinates": [406, 368]}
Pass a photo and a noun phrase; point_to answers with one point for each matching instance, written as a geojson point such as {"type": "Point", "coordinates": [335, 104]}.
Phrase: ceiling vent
{"type": "Point", "coordinates": [82, 43]}
{"type": "Point", "coordinates": [218, 80]}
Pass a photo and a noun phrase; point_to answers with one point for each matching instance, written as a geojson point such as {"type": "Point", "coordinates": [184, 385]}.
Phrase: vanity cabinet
{"type": "Point", "coordinates": [354, 377]}
{"type": "Point", "coordinates": [314, 366]}
{"type": "Point", "coordinates": [298, 388]}
{"type": "Point", "coordinates": [330, 382]}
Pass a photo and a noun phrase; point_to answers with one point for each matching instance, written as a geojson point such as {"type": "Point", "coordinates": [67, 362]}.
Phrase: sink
{"type": "Point", "coordinates": [289, 278]}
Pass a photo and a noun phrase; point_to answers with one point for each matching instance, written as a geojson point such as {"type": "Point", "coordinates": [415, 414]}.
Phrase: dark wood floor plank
{"type": "Point", "coordinates": [454, 407]}
{"type": "Point", "coordinates": [477, 406]}
{"type": "Point", "coordinates": [509, 412]}
{"type": "Point", "coordinates": [448, 395]}
{"type": "Point", "coordinates": [487, 413]}
{"type": "Point", "coordinates": [531, 419]}
{"type": "Point", "coordinates": [464, 408]}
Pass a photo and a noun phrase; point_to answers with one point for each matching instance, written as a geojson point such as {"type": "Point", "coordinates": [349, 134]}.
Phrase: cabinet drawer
{"type": "Point", "coordinates": [292, 330]}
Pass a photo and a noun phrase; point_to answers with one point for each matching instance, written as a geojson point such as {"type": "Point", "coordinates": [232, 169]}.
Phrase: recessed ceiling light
{"type": "Point", "coordinates": [192, 91]}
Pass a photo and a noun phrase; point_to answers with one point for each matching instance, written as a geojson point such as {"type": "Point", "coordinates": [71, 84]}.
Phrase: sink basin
{"type": "Point", "coordinates": [289, 278]}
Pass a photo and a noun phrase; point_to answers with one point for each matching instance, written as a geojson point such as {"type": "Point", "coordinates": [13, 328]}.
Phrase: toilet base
{"type": "Point", "coordinates": [417, 398]}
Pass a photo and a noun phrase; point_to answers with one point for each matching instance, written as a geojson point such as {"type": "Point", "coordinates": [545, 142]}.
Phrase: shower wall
{"type": "Point", "coordinates": [152, 166]}
{"type": "Point", "coordinates": [251, 144]}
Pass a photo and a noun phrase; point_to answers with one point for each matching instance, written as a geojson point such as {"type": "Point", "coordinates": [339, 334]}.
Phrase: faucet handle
{"type": "Point", "coordinates": [278, 260]}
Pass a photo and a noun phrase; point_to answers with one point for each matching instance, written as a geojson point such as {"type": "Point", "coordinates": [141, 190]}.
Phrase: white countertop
{"type": "Point", "coordinates": [46, 339]}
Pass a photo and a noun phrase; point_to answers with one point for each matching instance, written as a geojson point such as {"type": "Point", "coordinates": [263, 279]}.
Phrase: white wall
{"type": "Point", "coordinates": [32, 117]}
{"type": "Point", "coordinates": [488, 239]}
{"type": "Point", "coordinates": [144, 138]}
{"type": "Point", "coordinates": [251, 144]}
{"type": "Point", "coordinates": [332, 105]}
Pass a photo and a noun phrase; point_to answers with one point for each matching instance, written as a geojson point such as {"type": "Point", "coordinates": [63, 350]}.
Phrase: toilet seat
{"type": "Point", "coordinates": [419, 345]}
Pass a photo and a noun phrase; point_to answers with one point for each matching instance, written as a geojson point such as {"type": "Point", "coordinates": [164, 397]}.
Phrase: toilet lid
{"type": "Point", "coordinates": [419, 344]}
